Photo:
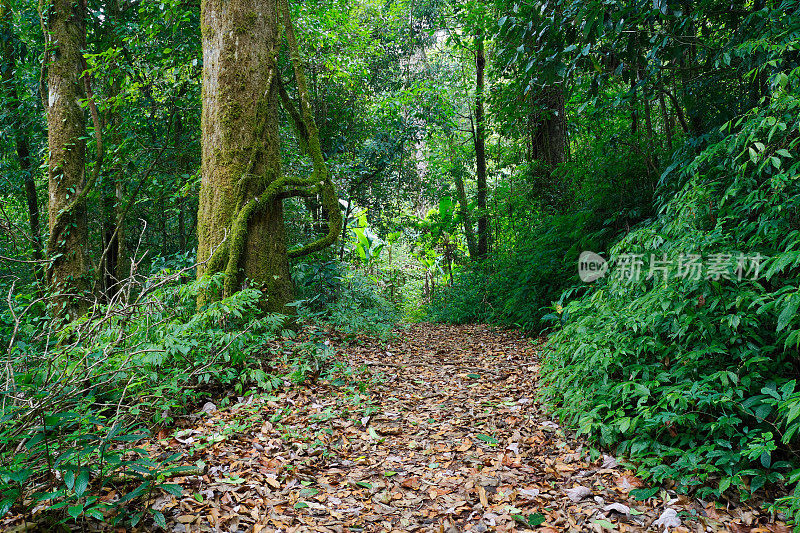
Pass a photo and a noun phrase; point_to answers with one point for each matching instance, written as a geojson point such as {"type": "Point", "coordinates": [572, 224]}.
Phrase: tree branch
{"type": "Point", "coordinates": [330, 200]}
{"type": "Point", "coordinates": [297, 121]}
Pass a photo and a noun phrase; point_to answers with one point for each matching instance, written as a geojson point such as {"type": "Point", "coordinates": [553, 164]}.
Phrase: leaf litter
{"type": "Point", "coordinates": [447, 437]}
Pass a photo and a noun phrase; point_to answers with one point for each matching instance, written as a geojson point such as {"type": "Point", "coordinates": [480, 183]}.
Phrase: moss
{"type": "Point", "coordinates": [246, 25]}
{"type": "Point", "coordinates": [243, 185]}
{"type": "Point", "coordinates": [68, 272]}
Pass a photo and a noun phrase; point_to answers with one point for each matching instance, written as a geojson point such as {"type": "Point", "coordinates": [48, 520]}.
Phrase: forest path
{"type": "Point", "coordinates": [447, 437]}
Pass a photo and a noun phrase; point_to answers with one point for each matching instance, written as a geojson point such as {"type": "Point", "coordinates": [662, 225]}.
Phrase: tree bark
{"type": "Point", "coordinates": [549, 127]}
{"type": "Point", "coordinates": [665, 120]}
{"type": "Point", "coordinates": [482, 246]}
{"type": "Point", "coordinates": [240, 220]}
{"type": "Point", "coordinates": [115, 267]}
{"type": "Point", "coordinates": [463, 203]}
{"type": "Point", "coordinates": [67, 186]}
{"type": "Point", "coordinates": [20, 138]}
{"type": "Point", "coordinates": [240, 152]}
{"type": "Point", "coordinates": [648, 123]}
{"type": "Point", "coordinates": [634, 107]}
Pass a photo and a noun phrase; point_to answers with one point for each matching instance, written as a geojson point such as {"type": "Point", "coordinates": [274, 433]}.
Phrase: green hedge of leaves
{"type": "Point", "coordinates": [695, 380]}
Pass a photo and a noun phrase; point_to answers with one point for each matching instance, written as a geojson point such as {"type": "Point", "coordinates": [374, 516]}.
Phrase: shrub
{"type": "Point", "coordinates": [694, 379]}
{"type": "Point", "coordinates": [77, 395]}
{"type": "Point", "coordinates": [350, 300]}
{"type": "Point", "coordinates": [516, 289]}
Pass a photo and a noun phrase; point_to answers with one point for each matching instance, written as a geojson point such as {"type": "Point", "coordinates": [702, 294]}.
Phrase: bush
{"type": "Point", "coordinates": [694, 379]}
{"type": "Point", "coordinates": [583, 205]}
{"type": "Point", "coordinates": [517, 289]}
{"type": "Point", "coordinates": [350, 300]}
{"type": "Point", "coordinates": [77, 395]}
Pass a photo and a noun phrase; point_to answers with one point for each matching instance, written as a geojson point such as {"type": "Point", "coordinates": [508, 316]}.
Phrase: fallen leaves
{"type": "Point", "coordinates": [578, 493]}
{"type": "Point", "coordinates": [627, 482]}
{"type": "Point", "coordinates": [668, 519]}
{"type": "Point", "coordinates": [441, 441]}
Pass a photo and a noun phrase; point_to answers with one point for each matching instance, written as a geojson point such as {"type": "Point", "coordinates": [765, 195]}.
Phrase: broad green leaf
{"type": "Point", "coordinates": [604, 523]}
{"type": "Point", "coordinates": [487, 439]}
{"type": "Point", "coordinates": [644, 494]}
{"type": "Point", "coordinates": [75, 511]}
{"type": "Point", "coordinates": [82, 482]}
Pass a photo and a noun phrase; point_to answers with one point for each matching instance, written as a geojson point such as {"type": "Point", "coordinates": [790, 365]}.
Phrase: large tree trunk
{"type": "Point", "coordinates": [240, 156]}
{"type": "Point", "coordinates": [9, 62]}
{"type": "Point", "coordinates": [67, 245]}
{"type": "Point", "coordinates": [482, 247]}
{"type": "Point", "coordinates": [549, 126]}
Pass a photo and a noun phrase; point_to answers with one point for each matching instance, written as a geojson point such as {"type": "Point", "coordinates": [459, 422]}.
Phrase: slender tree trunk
{"type": "Point", "coordinates": [690, 99]}
{"type": "Point", "coordinates": [184, 167]}
{"type": "Point", "coordinates": [634, 110]}
{"type": "Point", "coordinates": [12, 98]}
{"type": "Point", "coordinates": [123, 263]}
{"type": "Point", "coordinates": [463, 203]}
{"type": "Point", "coordinates": [67, 245]}
{"type": "Point", "coordinates": [108, 266]}
{"type": "Point", "coordinates": [665, 119]}
{"type": "Point", "coordinates": [163, 217]}
{"type": "Point", "coordinates": [648, 123]}
{"type": "Point", "coordinates": [482, 247]}
{"type": "Point", "coordinates": [448, 254]}
{"type": "Point", "coordinates": [32, 201]}
{"type": "Point", "coordinates": [676, 105]}
{"type": "Point", "coordinates": [181, 225]}
{"type": "Point", "coordinates": [117, 267]}
{"type": "Point", "coordinates": [347, 212]}
{"type": "Point", "coordinates": [241, 146]}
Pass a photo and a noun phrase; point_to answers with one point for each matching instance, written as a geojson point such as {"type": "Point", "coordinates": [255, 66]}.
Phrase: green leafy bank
{"type": "Point", "coordinates": [695, 379]}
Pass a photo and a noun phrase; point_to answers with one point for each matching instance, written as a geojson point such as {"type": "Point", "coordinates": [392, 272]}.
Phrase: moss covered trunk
{"type": "Point", "coordinates": [66, 123]}
{"type": "Point", "coordinates": [241, 146]}
{"type": "Point", "coordinates": [549, 132]}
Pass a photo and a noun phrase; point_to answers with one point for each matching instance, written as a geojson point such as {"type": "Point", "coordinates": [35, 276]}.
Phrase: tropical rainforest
{"type": "Point", "coordinates": [400, 265]}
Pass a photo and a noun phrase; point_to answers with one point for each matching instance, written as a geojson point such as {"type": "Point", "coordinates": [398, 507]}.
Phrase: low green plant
{"type": "Point", "coordinates": [79, 396]}
{"type": "Point", "coordinates": [514, 289]}
{"type": "Point", "coordinates": [351, 300]}
{"type": "Point", "coordinates": [692, 377]}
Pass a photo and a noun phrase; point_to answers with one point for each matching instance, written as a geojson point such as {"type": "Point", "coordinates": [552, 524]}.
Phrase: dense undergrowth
{"type": "Point", "coordinates": [695, 379]}
{"type": "Point", "coordinates": [652, 133]}
{"type": "Point", "coordinates": [79, 399]}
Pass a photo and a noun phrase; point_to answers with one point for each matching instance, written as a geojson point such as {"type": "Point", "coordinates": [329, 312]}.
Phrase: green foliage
{"type": "Point", "coordinates": [514, 289]}
{"type": "Point", "coordinates": [516, 285]}
{"type": "Point", "coordinates": [367, 245]}
{"type": "Point", "coordinates": [350, 300]}
{"type": "Point", "coordinates": [694, 378]}
{"type": "Point", "coordinates": [221, 344]}
{"type": "Point", "coordinates": [363, 309]}
{"type": "Point", "coordinates": [78, 395]}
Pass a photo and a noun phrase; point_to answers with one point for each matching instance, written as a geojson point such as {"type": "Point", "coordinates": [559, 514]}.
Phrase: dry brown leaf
{"type": "Point", "coordinates": [482, 495]}
{"type": "Point", "coordinates": [628, 482]}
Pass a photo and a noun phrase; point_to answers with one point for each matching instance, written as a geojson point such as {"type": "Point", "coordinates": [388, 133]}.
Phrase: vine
{"type": "Point", "coordinates": [229, 253]}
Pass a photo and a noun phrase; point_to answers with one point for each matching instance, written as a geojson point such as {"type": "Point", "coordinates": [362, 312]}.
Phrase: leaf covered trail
{"type": "Point", "coordinates": [446, 437]}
